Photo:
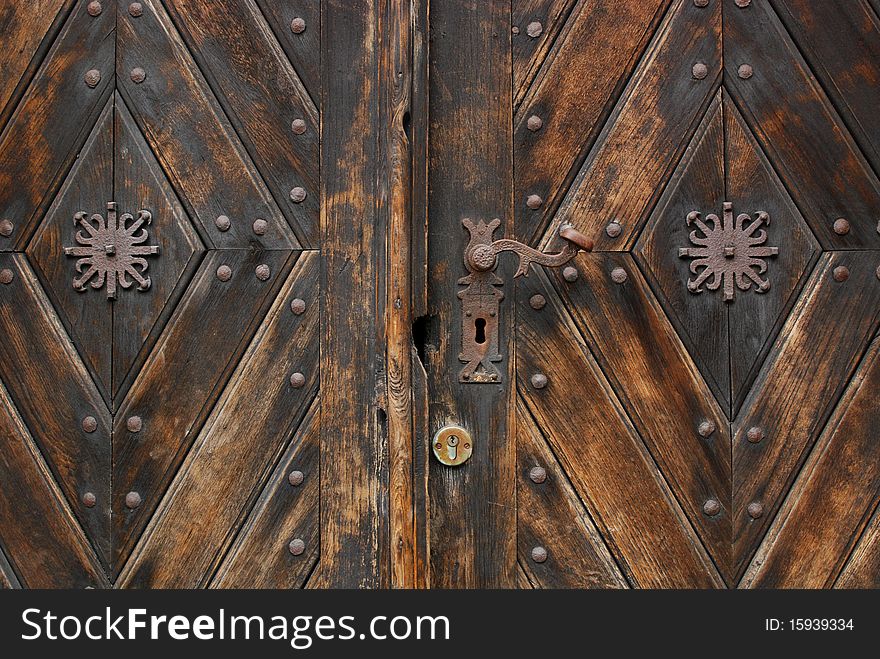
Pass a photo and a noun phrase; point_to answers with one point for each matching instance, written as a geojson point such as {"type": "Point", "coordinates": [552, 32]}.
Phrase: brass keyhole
{"type": "Point", "coordinates": [480, 335]}
{"type": "Point", "coordinates": [452, 445]}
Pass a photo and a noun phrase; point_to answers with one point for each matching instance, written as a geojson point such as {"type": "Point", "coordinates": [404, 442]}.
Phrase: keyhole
{"type": "Point", "coordinates": [480, 325]}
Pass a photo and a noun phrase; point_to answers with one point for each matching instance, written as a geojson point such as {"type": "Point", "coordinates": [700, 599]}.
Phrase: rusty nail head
{"type": "Point", "coordinates": [618, 275]}
{"type": "Point", "coordinates": [878, 272]}
{"type": "Point", "coordinates": [701, 3]}
{"type": "Point", "coordinates": [136, 9]}
{"type": "Point", "coordinates": [138, 75]}
{"type": "Point", "coordinates": [700, 70]}
{"type": "Point", "coordinates": [6, 276]}
{"type": "Point", "coordinates": [295, 478]}
{"type": "Point", "coordinates": [89, 424]}
{"type": "Point", "coordinates": [89, 499]}
{"type": "Point", "coordinates": [534, 29]}
{"type": "Point", "coordinates": [224, 273]}
{"type": "Point", "coordinates": [538, 474]}
{"type": "Point", "coordinates": [841, 273]}
{"type": "Point", "coordinates": [222, 222]}
{"type": "Point", "coordinates": [570, 274]}
{"type": "Point", "coordinates": [297, 25]}
{"type": "Point", "coordinates": [92, 78]}
{"type": "Point", "coordinates": [260, 227]}
{"type": "Point", "coordinates": [534, 123]}
{"type": "Point", "coordinates": [613, 229]}
{"type": "Point", "coordinates": [298, 306]}
{"type": "Point", "coordinates": [6, 228]}
{"type": "Point", "coordinates": [539, 380]}
{"type": "Point", "coordinates": [134, 424]}
{"type": "Point", "coordinates": [712, 507]}
{"type": "Point", "coordinates": [706, 428]}
{"type": "Point", "coordinates": [755, 434]}
{"type": "Point", "coordinates": [132, 500]}
{"type": "Point", "coordinates": [297, 380]}
{"type": "Point", "coordinates": [755, 510]}
{"type": "Point", "coordinates": [742, 3]}
{"type": "Point", "coordinates": [514, 29]}
{"type": "Point", "coordinates": [296, 546]}
{"type": "Point", "coordinates": [262, 272]}
{"type": "Point", "coordinates": [534, 202]}
{"type": "Point", "coordinates": [94, 8]}
{"type": "Point", "coordinates": [297, 195]}
{"type": "Point", "coordinates": [745, 71]}
{"type": "Point", "coordinates": [298, 126]}
{"type": "Point", "coordinates": [539, 554]}
{"type": "Point", "coordinates": [537, 302]}
{"type": "Point", "coordinates": [841, 226]}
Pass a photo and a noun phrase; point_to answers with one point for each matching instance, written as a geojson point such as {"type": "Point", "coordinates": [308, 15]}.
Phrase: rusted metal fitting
{"type": "Point", "coordinates": [537, 302]}
{"type": "Point", "coordinates": [298, 126]}
{"type": "Point", "coordinates": [755, 434]}
{"type": "Point", "coordinates": [6, 228]}
{"type": "Point", "coordinates": [755, 510]}
{"type": "Point", "coordinates": [570, 274]}
{"type": "Point", "coordinates": [841, 273]}
{"type": "Point", "coordinates": [89, 499]}
{"type": "Point", "coordinates": [700, 70]}
{"type": "Point", "coordinates": [6, 276]}
{"type": "Point", "coordinates": [613, 229]}
{"type": "Point", "coordinates": [537, 474]}
{"type": "Point", "coordinates": [134, 424]}
{"type": "Point", "coordinates": [298, 306]}
{"type": "Point", "coordinates": [295, 478]}
{"type": "Point", "coordinates": [132, 500]}
{"type": "Point", "coordinates": [224, 273]}
{"type": "Point", "coordinates": [712, 507]}
{"type": "Point", "coordinates": [94, 8]}
{"type": "Point", "coordinates": [706, 428]}
{"type": "Point", "coordinates": [539, 381]}
{"type": "Point", "coordinates": [136, 9]}
{"type": "Point", "coordinates": [89, 424]}
{"type": "Point", "coordinates": [534, 29]}
{"type": "Point", "coordinates": [138, 75]}
{"type": "Point", "coordinates": [619, 276]}
{"type": "Point", "coordinates": [841, 226]}
{"type": "Point", "coordinates": [260, 226]}
{"type": "Point", "coordinates": [297, 195]}
{"type": "Point", "coordinates": [262, 272]}
{"type": "Point", "coordinates": [534, 123]}
{"type": "Point", "coordinates": [534, 202]}
{"type": "Point", "coordinates": [745, 71]}
{"type": "Point", "coordinates": [92, 78]}
{"type": "Point", "coordinates": [297, 380]}
{"type": "Point", "coordinates": [539, 554]}
{"type": "Point", "coordinates": [222, 222]}
{"type": "Point", "coordinates": [296, 546]}
{"type": "Point", "coordinates": [298, 25]}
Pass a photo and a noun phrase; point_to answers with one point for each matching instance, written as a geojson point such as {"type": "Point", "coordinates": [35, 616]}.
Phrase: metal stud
{"type": "Point", "coordinates": [539, 554]}
{"type": "Point", "coordinates": [6, 276]}
{"type": "Point", "coordinates": [538, 474]}
{"type": "Point", "coordinates": [136, 9]}
{"type": "Point", "coordinates": [878, 272]}
{"type": "Point", "coordinates": [262, 272]}
{"type": "Point", "coordinates": [618, 275]}
{"type": "Point", "coordinates": [260, 227]}
{"type": "Point", "coordinates": [613, 229]}
{"type": "Point", "coordinates": [706, 428]}
{"type": "Point", "coordinates": [95, 8]}
{"type": "Point", "coordinates": [138, 75]}
{"type": "Point", "coordinates": [534, 123]}
{"type": "Point", "coordinates": [297, 195]}
{"type": "Point", "coordinates": [297, 25]}
{"type": "Point", "coordinates": [539, 380]}
{"type": "Point", "coordinates": [514, 29]}
{"type": "Point", "coordinates": [744, 71]}
{"type": "Point", "coordinates": [89, 424]}
{"type": "Point", "coordinates": [92, 78]}
{"type": "Point", "coordinates": [700, 70]}
{"type": "Point", "coordinates": [298, 306]}
{"type": "Point", "coordinates": [537, 302]}
{"type": "Point", "coordinates": [132, 500]}
{"type": "Point", "coordinates": [534, 202]}
{"type": "Point", "coordinates": [841, 273]}
{"type": "Point", "coordinates": [222, 222]}
{"type": "Point", "coordinates": [755, 510]}
{"type": "Point", "coordinates": [701, 3]}
{"type": "Point", "coordinates": [295, 478]}
{"type": "Point", "coordinates": [841, 226]}
{"type": "Point", "coordinates": [89, 499]}
{"type": "Point", "coordinates": [296, 546]}
{"type": "Point", "coordinates": [712, 507]}
{"type": "Point", "coordinates": [6, 228]}
{"type": "Point", "coordinates": [224, 273]}
{"type": "Point", "coordinates": [297, 380]}
{"type": "Point", "coordinates": [298, 126]}
{"type": "Point", "coordinates": [570, 274]}
{"type": "Point", "coordinates": [134, 424]}
{"type": "Point", "coordinates": [755, 434]}
{"type": "Point", "coordinates": [534, 29]}
{"type": "Point", "coordinates": [742, 3]}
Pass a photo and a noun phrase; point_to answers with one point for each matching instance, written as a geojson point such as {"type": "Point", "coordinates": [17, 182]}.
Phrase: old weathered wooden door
{"type": "Point", "coordinates": [206, 203]}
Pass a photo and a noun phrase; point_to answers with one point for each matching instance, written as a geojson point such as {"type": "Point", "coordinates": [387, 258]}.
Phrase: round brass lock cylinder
{"type": "Point", "coordinates": [453, 445]}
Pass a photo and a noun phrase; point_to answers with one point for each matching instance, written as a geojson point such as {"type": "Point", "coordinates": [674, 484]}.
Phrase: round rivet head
{"type": "Point", "coordinates": [755, 434]}
{"type": "Point", "coordinates": [613, 229]}
{"type": "Point", "coordinates": [297, 25]}
{"type": "Point", "coordinates": [539, 554]}
{"type": "Point", "coordinates": [537, 474]}
{"type": "Point", "coordinates": [262, 272]}
{"type": "Point", "coordinates": [537, 302]}
{"type": "Point", "coordinates": [296, 546]}
{"type": "Point", "coordinates": [701, 3]}
{"type": "Point", "coordinates": [223, 223]}
{"type": "Point", "coordinates": [89, 499]}
{"type": "Point", "coordinates": [295, 478]}
{"type": "Point", "coordinates": [260, 227]}
{"type": "Point", "coordinates": [539, 380]}
{"type": "Point", "coordinates": [570, 274]}
{"type": "Point", "coordinates": [755, 510]}
{"type": "Point", "coordinates": [138, 75]}
{"type": "Point", "coordinates": [712, 507]}
{"type": "Point", "coordinates": [700, 70]}
{"type": "Point", "coordinates": [132, 500]}
{"type": "Point", "coordinates": [298, 306]}
{"type": "Point", "coordinates": [298, 126]}
{"type": "Point", "coordinates": [744, 71]}
{"type": "Point", "coordinates": [534, 202]}
{"type": "Point", "coordinates": [136, 9]}
{"type": "Point", "coordinates": [878, 272]}
{"type": "Point", "coordinates": [618, 275]}
{"type": "Point", "coordinates": [534, 29]}
{"type": "Point", "coordinates": [224, 273]}
{"type": "Point", "coordinates": [841, 226]}
{"type": "Point", "coordinates": [6, 276]}
{"type": "Point", "coordinates": [534, 123]}
{"type": "Point", "coordinates": [92, 78]}
{"type": "Point", "coordinates": [6, 228]}
{"type": "Point", "coordinates": [134, 424]}
{"type": "Point", "coordinates": [742, 3]}
{"type": "Point", "coordinates": [89, 424]}
{"type": "Point", "coordinates": [706, 428]}
{"type": "Point", "coordinates": [94, 8]}
{"type": "Point", "coordinates": [297, 380]}
{"type": "Point", "coordinates": [514, 29]}
{"type": "Point", "coordinates": [841, 273]}
{"type": "Point", "coordinates": [297, 195]}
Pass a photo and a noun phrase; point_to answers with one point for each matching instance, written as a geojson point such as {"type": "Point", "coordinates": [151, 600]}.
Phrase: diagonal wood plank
{"type": "Point", "coordinates": [301, 41]}
{"type": "Point", "coordinates": [8, 578]}
{"type": "Point", "coordinates": [535, 26]}
{"type": "Point", "coordinates": [37, 530]}
{"type": "Point", "coordinates": [191, 136]}
{"type": "Point", "coordinates": [286, 510]}
{"type": "Point", "coordinates": [56, 398]}
{"type": "Point", "coordinates": [260, 405]}
{"type": "Point", "coordinates": [834, 496]}
{"type": "Point", "coordinates": [210, 328]}
{"type": "Point", "coordinates": [863, 568]}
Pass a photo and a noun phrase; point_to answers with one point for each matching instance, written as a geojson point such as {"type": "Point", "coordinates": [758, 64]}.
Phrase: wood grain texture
{"type": "Point", "coordinates": [572, 95]}
{"type": "Point", "coordinates": [258, 403]}
{"type": "Point", "coordinates": [302, 49]}
{"type": "Point", "coordinates": [53, 119]}
{"type": "Point", "coordinates": [37, 530]}
{"type": "Point", "coordinates": [597, 446]}
{"type": "Point", "coordinates": [472, 507]}
{"type": "Point", "coordinates": [863, 568]}
{"type": "Point", "coordinates": [550, 515]}
{"type": "Point", "coordinates": [282, 513]}
{"type": "Point", "coordinates": [834, 496]}
{"type": "Point", "coordinates": [8, 578]}
{"type": "Point", "coordinates": [198, 350]}
{"type": "Point", "coordinates": [807, 369]}
{"type": "Point", "coordinates": [194, 142]}
{"type": "Point", "coordinates": [800, 130]}
{"type": "Point", "coordinates": [529, 52]}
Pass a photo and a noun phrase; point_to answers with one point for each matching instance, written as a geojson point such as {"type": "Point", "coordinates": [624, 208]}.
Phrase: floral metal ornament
{"type": "Point", "coordinates": [112, 250]}
{"type": "Point", "coordinates": [730, 252]}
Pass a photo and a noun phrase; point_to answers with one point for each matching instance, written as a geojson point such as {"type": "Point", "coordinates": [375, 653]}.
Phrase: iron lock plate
{"type": "Point", "coordinates": [453, 445]}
